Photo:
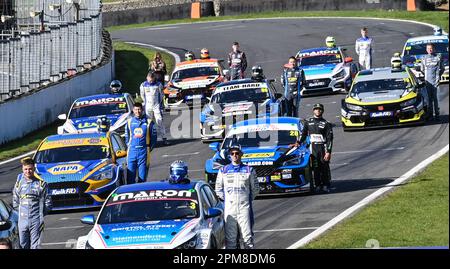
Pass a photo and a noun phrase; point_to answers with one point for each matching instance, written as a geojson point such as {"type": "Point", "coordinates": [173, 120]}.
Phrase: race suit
{"type": "Point", "coordinates": [320, 132]}
{"type": "Point", "coordinates": [363, 47]}
{"type": "Point", "coordinates": [151, 94]}
{"type": "Point", "coordinates": [292, 82]}
{"type": "Point", "coordinates": [139, 136]}
{"type": "Point", "coordinates": [238, 186]}
{"type": "Point", "coordinates": [238, 63]}
{"type": "Point", "coordinates": [432, 68]}
{"type": "Point", "coordinates": [31, 200]}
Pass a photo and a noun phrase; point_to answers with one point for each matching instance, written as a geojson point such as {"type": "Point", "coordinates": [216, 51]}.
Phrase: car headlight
{"type": "Point", "coordinates": [104, 174]}
{"type": "Point", "coordinates": [87, 246]}
{"type": "Point", "coordinates": [340, 74]}
{"type": "Point", "coordinates": [190, 244]}
{"type": "Point", "coordinates": [294, 161]}
{"type": "Point", "coordinates": [410, 102]}
{"type": "Point", "coordinates": [353, 107]}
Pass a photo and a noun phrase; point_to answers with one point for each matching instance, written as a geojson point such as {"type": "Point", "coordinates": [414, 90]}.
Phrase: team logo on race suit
{"type": "Point", "coordinates": [138, 133]}
{"type": "Point", "coordinates": [65, 169]}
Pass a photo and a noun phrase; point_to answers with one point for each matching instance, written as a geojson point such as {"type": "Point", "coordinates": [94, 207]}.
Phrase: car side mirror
{"type": "Point", "coordinates": [166, 78]}
{"type": "Point", "coordinates": [213, 212]}
{"type": "Point", "coordinates": [348, 60]}
{"type": "Point", "coordinates": [88, 219]}
{"type": "Point", "coordinates": [344, 49]}
{"type": "Point", "coordinates": [214, 146]}
{"type": "Point", "coordinates": [278, 95]}
{"type": "Point", "coordinates": [271, 80]}
{"type": "Point", "coordinates": [226, 72]}
{"type": "Point", "coordinates": [121, 154]}
{"type": "Point", "coordinates": [5, 225]}
{"type": "Point", "coordinates": [62, 116]}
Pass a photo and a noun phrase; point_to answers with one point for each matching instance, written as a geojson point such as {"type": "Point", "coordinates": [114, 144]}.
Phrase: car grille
{"type": "Point", "coordinates": [264, 171]}
{"type": "Point", "coordinates": [69, 200]}
{"type": "Point", "coordinates": [311, 84]}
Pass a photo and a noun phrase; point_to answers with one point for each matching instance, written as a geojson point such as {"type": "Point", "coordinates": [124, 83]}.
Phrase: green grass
{"type": "Point", "coordinates": [434, 17]}
{"type": "Point", "coordinates": [28, 143]}
{"type": "Point", "coordinates": [132, 64]}
{"type": "Point", "coordinates": [415, 214]}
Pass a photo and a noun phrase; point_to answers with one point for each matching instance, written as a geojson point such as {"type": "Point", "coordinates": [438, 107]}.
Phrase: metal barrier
{"type": "Point", "coordinates": [49, 40]}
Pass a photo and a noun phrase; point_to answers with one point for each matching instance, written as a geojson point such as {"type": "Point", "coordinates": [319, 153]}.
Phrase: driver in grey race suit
{"type": "Point", "coordinates": [363, 47]}
{"type": "Point", "coordinates": [237, 62]}
{"type": "Point", "coordinates": [31, 200]}
{"type": "Point", "coordinates": [238, 186]}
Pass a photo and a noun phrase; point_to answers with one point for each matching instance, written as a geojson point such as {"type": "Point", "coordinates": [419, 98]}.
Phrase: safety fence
{"type": "Point", "coordinates": [48, 40]}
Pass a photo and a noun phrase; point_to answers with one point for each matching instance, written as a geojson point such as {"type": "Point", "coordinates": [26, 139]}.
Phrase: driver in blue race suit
{"type": "Point", "coordinates": [178, 173]}
{"type": "Point", "coordinates": [237, 185]}
{"type": "Point", "coordinates": [138, 133]}
{"type": "Point", "coordinates": [293, 79]}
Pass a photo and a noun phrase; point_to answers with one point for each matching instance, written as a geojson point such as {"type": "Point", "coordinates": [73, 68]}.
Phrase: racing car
{"type": "Point", "coordinates": [158, 215]}
{"type": "Point", "coordinates": [193, 81]}
{"type": "Point", "coordinates": [326, 70]}
{"type": "Point", "coordinates": [85, 111]}
{"type": "Point", "coordinates": [238, 100]}
{"type": "Point", "coordinates": [415, 49]}
{"type": "Point", "coordinates": [269, 146]}
{"type": "Point", "coordinates": [82, 169]}
{"type": "Point", "coordinates": [385, 97]}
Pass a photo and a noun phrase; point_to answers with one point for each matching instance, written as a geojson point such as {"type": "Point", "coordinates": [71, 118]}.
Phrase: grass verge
{"type": "Point", "coordinates": [132, 63]}
{"type": "Point", "coordinates": [414, 215]}
{"type": "Point", "coordinates": [434, 17]}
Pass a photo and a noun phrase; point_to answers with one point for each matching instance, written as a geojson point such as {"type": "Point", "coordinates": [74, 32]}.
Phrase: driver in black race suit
{"type": "Point", "coordinates": [320, 132]}
{"type": "Point", "coordinates": [237, 62]}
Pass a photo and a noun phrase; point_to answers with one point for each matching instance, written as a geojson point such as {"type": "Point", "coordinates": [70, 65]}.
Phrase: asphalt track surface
{"type": "Point", "coordinates": [362, 162]}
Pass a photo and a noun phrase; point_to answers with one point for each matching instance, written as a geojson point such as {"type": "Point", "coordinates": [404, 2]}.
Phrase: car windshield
{"type": "Point", "coordinates": [148, 210]}
{"type": "Point", "coordinates": [263, 139]}
{"type": "Point", "coordinates": [332, 58]}
{"type": "Point", "coordinates": [71, 154]}
{"type": "Point", "coordinates": [381, 85]}
{"type": "Point", "coordinates": [196, 72]}
{"type": "Point", "coordinates": [251, 95]}
{"type": "Point", "coordinates": [98, 110]}
{"type": "Point", "coordinates": [419, 49]}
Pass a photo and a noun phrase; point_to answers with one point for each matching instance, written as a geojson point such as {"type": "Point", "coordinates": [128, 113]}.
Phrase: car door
{"type": "Point", "coordinates": [118, 144]}
{"type": "Point", "coordinates": [8, 214]}
{"type": "Point", "coordinates": [218, 223]}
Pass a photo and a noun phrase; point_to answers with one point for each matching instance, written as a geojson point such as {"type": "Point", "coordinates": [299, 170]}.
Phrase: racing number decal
{"type": "Point", "coordinates": [123, 105]}
{"type": "Point", "coordinates": [193, 205]}
{"type": "Point", "coordinates": [293, 133]}
{"type": "Point", "coordinates": [263, 89]}
{"type": "Point", "coordinates": [105, 149]}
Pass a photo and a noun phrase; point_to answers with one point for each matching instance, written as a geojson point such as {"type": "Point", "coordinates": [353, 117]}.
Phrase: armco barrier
{"type": "Point", "coordinates": [28, 113]}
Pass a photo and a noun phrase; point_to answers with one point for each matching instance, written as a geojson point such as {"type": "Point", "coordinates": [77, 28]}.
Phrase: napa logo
{"type": "Point", "coordinates": [65, 169]}
{"type": "Point", "coordinates": [138, 132]}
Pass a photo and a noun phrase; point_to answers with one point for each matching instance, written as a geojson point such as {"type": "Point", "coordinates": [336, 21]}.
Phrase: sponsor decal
{"type": "Point", "coordinates": [154, 194]}
{"type": "Point", "coordinates": [262, 180]}
{"type": "Point", "coordinates": [258, 155]}
{"type": "Point", "coordinates": [381, 114]}
{"type": "Point", "coordinates": [85, 125]}
{"type": "Point", "coordinates": [426, 41]}
{"type": "Point", "coordinates": [259, 163]}
{"type": "Point", "coordinates": [63, 191]}
{"type": "Point", "coordinates": [65, 169]}
{"type": "Point", "coordinates": [138, 132]}
{"type": "Point", "coordinates": [236, 108]}
{"type": "Point", "coordinates": [94, 141]}
{"type": "Point", "coordinates": [241, 86]}
{"type": "Point", "coordinates": [196, 96]}
{"type": "Point", "coordinates": [100, 101]}
{"type": "Point", "coordinates": [318, 53]}
{"type": "Point", "coordinates": [144, 228]}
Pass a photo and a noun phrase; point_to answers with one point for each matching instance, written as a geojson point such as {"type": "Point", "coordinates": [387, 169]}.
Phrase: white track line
{"type": "Point", "coordinates": [364, 202]}
{"type": "Point", "coordinates": [368, 150]}
{"type": "Point", "coordinates": [183, 154]}
{"type": "Point", "coordinates": [62, 228]}
{"type": "Point", "coordinates": [162, 28]}
{"type": "Point", "coordinates": [177, 58]}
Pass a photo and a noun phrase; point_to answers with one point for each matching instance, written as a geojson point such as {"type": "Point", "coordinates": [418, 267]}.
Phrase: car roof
{"type": "Point", "coordinates": [156, 185]}
{"type": "Point", "coordinates": [381, 73]}
{"type": "Point", "coordinates": [75, 136]}
{"type": "Point", "coordinates": [267, 120]}
{"type": "Point", "coordinates": [100, 96]}
{"type": "Point", "coordinates": [428, 37]}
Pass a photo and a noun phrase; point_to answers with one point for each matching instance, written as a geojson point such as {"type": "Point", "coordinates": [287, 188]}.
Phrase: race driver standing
{"type": "Point", "coordinates": [320, 132]}
{"type": "Point", "coordinates": [237, 62]}
{"type": "Point", "coordinates": [432, 68]}
{"type": "Point", "coordinates": [31, 200]}
{"type": "Point", "coordinates": [237, 185]}
{"type": "Point", "coordinates": [152, 96]}
{"type": "Point", "coordinates": [364, 47]}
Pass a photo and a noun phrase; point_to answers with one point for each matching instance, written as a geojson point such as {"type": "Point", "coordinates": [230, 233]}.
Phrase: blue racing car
{"type": "Point", "coordinates": [158, 215]}
{"type": "Point", "coordinates": [269, 146]}
{"type": "Point", "coordinates": [326, 70]}
{"type": "Point", "coordinates": [85, 111]}
{"type": "Point", "coordinates": [238, 100]}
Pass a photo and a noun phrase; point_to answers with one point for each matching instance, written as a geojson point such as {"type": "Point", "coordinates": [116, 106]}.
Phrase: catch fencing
{"type": "Point", "coordinates": [47, 41]}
